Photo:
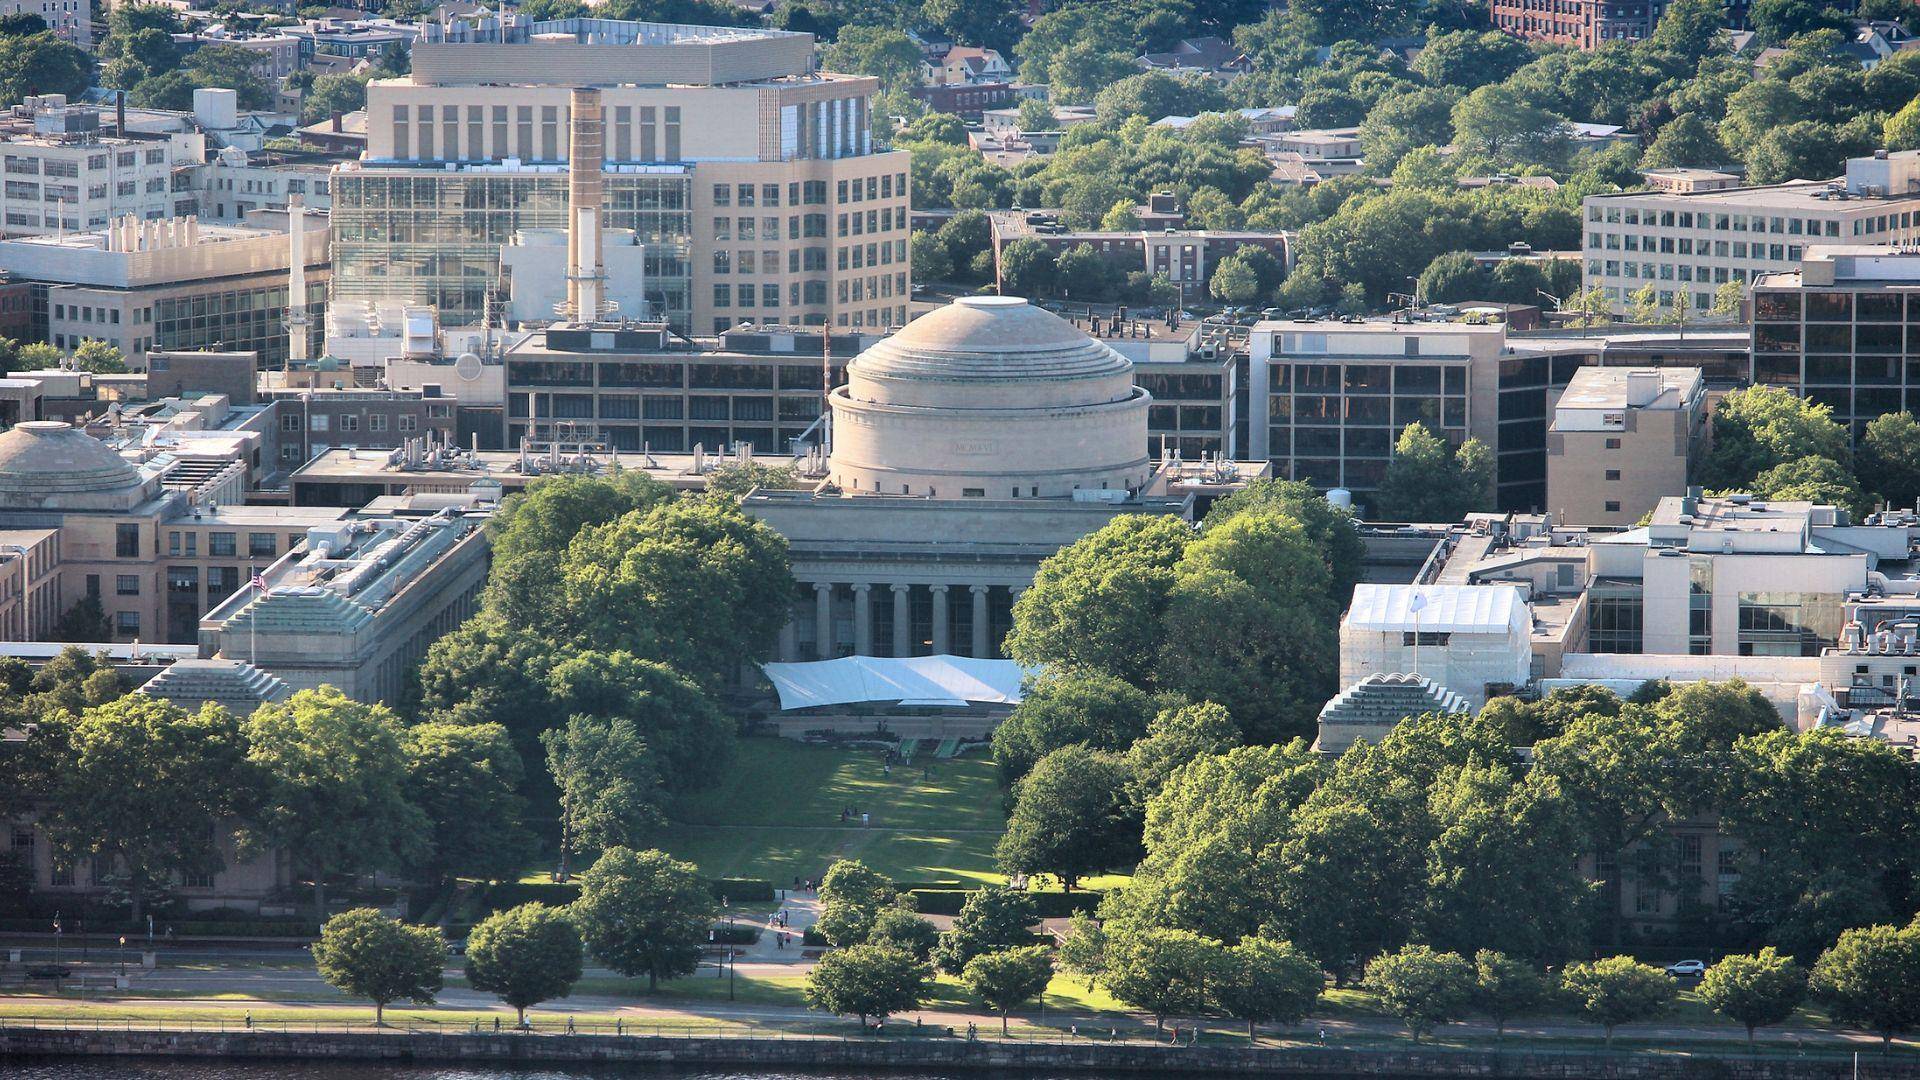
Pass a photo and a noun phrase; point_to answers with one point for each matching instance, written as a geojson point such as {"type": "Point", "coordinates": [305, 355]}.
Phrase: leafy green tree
{"type": "Point", "coordinates": [1687, 141]}
{"type": "Point", "coordinates": [1778, 21]}
{"type": "Point", "coordinates": [1071, 818]}
{"type": "Point", "coordinates": [1097, 603]}
{"type": "Point", "coordinates": [1471, 60]}
{"type": "Point", "coordinates": [366, 954]}
{"type": "Point", "coordinates": [229, 67]}
{"type": "Point", "coordinates": [1902, 129]}
{"type": "Point", "coordinates": [489, 671]}
{"type": "Point", "coordinates": [333, 95]}
{"type": "Point", "coordinates": [930, 261]}
{"type": "Point", "coordinates": [143, 783]}
{"type": "Point", "coordinates": [685, 583]}
{"type": "Point", "coordinates": [1505, 987]}
{"type": "Point", "coordinates": [1495, 121]}
{"type": "Point", "coordinates": [1263, 981]}
{"type": "Point", "coordinates": [1166, 972]}
{"type": "Point", "coordinates": [86, 621]}
{"type": "Point", "coordinates": [1404, 123]}
{"type": "Point", "coordinates": [333, 793]}
{"type": "Point", "coordinates": [99, 357]}
{"type": "Point", "coordinates": [644, 913]}
{"type": "Point", "coordinates": [1068, 707]}
{"type": "Point", "coordinates": [1234, 281]}
{"type": "Point", "coordinates": [866, 980]}
{"type": "Point", "coordinates": [526, 955]}
{"type": "Point", "coordinates": [1890, 454]}
{"type": "Point", "coordinates": [1175, 737]}
{"type": "Point", "coordinates": [609, 782]}
{"type": "Point", "coordinates": [1431, 481]}
{"type": "Point", "coordinates": [992, 918]}
{"type": "Point", "coordinates": [41, 64]}
{"type": "Point", "coordinates": [1808, 149]}
{"type": "Point", "coordinates": [1026, 268]}
{"type": "Point", "coordinates": [1036, 115]}
{"type": "Point", "coordinates": [900, 928]}
{"type": "Point", "coordinates": [1762, 426]}
{"type": "Point", "coordinates": [1454, 277]}
{"type": "Point", "coordinates": [1330, 527]}
{"type": "Point", "coordinates": [1689, 29]}
{"type": "Point", "coordinates": [532, 530]}
{"type": "Point", "coordinates": [1082, 273]}
{"type": "Point", "coordinates": [883, 52]}
{"type": "Point", "coordinates": [1815, 480]}
{"type": "Point", "coordinates": [852, 896]}
{"type": "Point", "coordinates": [1870, 979]}
{"type": "Point", "coordinates": [1755, 990]}
{"type": "Point", "coordinates": [466, 779]}
{"type": "Point", "coordinates": [1154, 94]}
{"type": "Point", "coordinates": [1618, 990]}
{"type": "Point", "coordinates": [1422, 987]}
{"type": "Point", "coordinates": [689, 735]}
{"type": "Point", "coordinates": [1008, 978]}
{"type": "Point", "coordinates": [733, 482]}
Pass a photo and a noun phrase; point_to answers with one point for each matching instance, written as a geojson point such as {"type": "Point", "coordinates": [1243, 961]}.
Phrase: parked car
{"type": "Point", "coordinates": [1687, 969]}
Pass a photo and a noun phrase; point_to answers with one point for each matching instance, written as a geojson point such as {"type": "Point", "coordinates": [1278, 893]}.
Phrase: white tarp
{"type": "Point", "coordinates": [1439, 609]}
{"type": "Point", "coordinates": [909, 680]}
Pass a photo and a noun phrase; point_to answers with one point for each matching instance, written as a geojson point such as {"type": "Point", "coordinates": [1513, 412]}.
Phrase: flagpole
{"type": "Point", "coordinates": [253, 620]}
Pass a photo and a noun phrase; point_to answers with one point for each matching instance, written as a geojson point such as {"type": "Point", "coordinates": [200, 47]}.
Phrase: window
{"type": "Point", "coordinates": [409, 423]}
{"type": "Point", "coordinates": [126, 541]}
{"type": "Point", "coordinates": [1613, 444]}
{"type": "Point", "coordinates": [349, 423]}
{"type": "Point", "coordinates": [317, 422]}
{"type": "Point", "coordinates": [126, 584]}
{"type": "Point", "coordinates": [1613, 506]}
{"type": "Point", "coordinates": [1613, 474]}
{"type": "Point", "coordinates": [377, 422]}
{"type": "Point", "coordinates": [126, 623]}
{"type": "Point", "coordinates": [221, 545]}
{"type": "Point", "coordinates": [260, 545]}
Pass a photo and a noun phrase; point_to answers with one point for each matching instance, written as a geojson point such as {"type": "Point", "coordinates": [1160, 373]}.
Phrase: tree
{"type": "Point", "coordinates": [691, 738]}
{"type": "Point", "coordinates": [466, 779]}
{"type": "Point", "coordinates": [1778, 21]}
{"type": "Point", "coordinates": [1687, 141]}
{"type": "Point", "coordinates": [1505, 987]}
{"type": "Point", "coordinates": [1618, 990]}
{"type": "Point", "coordinates": [1814, 480]}
{"type": "Point", "coordinates": [1096, 603]}
{"type": "Point", "coordinates": [852, 896]}
{"type": "Point", "coordinates": [883, 52]}
{"type": "Point", "coordinates": [1005, 979]}
{"type": "Point", "coordinates": [644, 913]}
{"type": "Point", "coordinates": [86, 621]}
{"type": "Point", "coordinates": [898, 927]}
{"type": "Point", "coordinates": [1471, 60]}
{"type": "Point", "coordinates": [1163, 971]}
{"type": "Point", "coordinates": [1807, 149]}
{"type": "Point", "coordinates": [99, 357]}
{"type": "Point", "coordinates": [1902, 129]}
{"type": "Point", "coordinates": [526, 955]}
{"type": "Point", "coordinates": [1330, 527]}
{"type": "Point", "coordinates": [1890, 453]}
{"type": "Point", "coordinates": [1429, 481]}
{"type": "Point", "coordinates": [1762, 426]}
{"type": "Point", "coordinates": [333, 788]}
{"type": "Point", "coordinates": [685, 583]}
{"type": "Point", "coordinates": [609, 783]}
{"type": "Point", "coordinates": [1174, 738]}
{"type": "Point", "coordinates": [1154, 94]}
{"type": "Point", "coordinates": [532, 530]}
{"type": "Point", "coordinates": [991, 918]}
{"type": "Point", "coordinates": [1495, 121]}
{"type": "Point", "coordinates": [1870, 979]}
{"type": "Point", "coordinates": [1067, 707]}
{"type": "Point", "coordinates": [1403, 123]}
{"type": "Point", "coordinates": [930, 261]}
{"type": "Point", "coordinates": [41, 63]}
{"type": "Point", "coordinates": [1755, 990]}
{"type": "Point", "coordinates": [143, 783]}
{"type": "Point", "coordinates": [1422, 987]}
{"type": "Point", "coordinates": [1037, 115]}
{"type": "Point", "coordinates": [864, 981]}
{"type": "Point", "coordinates": [1263, 981]}
{"type": "Point", "coordinates": [1082, 273]}
{"type": "Point", "coordinates": [1234, 281]}
{"type": "Point", "coordinates": [1026, 268]}
{"type": "Point", "coordinates": [333, 95]}
{"type": "Point", "coordinates": [1071, 818]}
{"type": "Point", "coordinates": [366, 954]}
{"type": "Point", "coordinates": [1454, 277]}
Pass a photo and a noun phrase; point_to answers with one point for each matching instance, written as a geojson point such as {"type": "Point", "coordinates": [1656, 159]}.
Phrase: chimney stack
{"type": "Point", "coordinates": [297, 332]}
{"type": "Point", "coordinates": [586, 276]}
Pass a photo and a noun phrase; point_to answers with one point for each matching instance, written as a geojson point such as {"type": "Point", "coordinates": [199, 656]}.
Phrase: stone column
{"type": "Point", "coordinates": [981, 631]}
{"type": "Point", "coordinates": [902, 620]}
{"type": "Point", "coordinates": [941, 629]}
{"type": "Point", "coordinates": [862, 619]}
{"type": "Point", "coordinates": [789, 640]}
{"type": "Point", "coordinates": [823, 619]}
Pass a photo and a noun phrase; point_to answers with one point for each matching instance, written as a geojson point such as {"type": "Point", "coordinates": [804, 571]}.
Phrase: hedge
{"type": "Point", "coordinates": [1050, 905]}
{"type": "Point", "coordinates": [742, 890]}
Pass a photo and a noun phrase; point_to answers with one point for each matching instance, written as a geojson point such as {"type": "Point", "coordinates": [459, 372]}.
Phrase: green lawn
{"type": "Point", "coordinates": [776, 815]}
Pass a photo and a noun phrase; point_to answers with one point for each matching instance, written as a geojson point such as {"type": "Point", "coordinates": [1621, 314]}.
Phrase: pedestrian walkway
{"type": "Point", "coordinates": [802, 910]}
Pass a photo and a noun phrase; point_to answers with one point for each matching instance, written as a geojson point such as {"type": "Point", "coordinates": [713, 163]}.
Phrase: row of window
{"type": "Point", "coordinates": [1760, 223]}
{"type": "Point", "coordinates": [348, 422]}
{"type": "Point", "coordinates": [1685, 245]}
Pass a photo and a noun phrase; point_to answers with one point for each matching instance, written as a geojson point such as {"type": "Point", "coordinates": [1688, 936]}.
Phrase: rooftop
{"type": "Point", "coordinates": [1438, 609]}
{"type": "Point", "coordinates": [1638, 388]}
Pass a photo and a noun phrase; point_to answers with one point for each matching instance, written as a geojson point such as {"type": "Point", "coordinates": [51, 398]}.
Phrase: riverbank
{"type": "Point", "coordinates": [923, 1054]}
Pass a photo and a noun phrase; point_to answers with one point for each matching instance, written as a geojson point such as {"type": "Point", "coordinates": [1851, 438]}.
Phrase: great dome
{"type": "Point", "coordinates": [989, 397]}
{"type": "Point", "coordinates": [45, 463]}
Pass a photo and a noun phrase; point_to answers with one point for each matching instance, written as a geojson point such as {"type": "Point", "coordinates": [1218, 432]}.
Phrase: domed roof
{"type": "Point", "coordinates": [998, 338]}
{"type": "Point", "coordinates": [42, 459]}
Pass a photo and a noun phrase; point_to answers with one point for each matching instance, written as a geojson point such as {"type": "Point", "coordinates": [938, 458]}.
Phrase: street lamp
{"type": "Point", "coordinates": [733, 958]}
{"type": "Point", "coordinates": [123, 954]}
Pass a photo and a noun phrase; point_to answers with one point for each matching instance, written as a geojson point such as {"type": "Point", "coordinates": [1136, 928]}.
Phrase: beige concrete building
{"type": "Point", "coordinates": [751, 181]}
{"type": "Point", "coordinates": [63, 173]}
{"type": "Point", "coordinates": [1621, 440]}
{"type": "Point", "coordinates": [1689, 242]}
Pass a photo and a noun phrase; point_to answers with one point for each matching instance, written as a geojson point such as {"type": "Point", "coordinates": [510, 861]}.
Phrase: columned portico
{"type": "Point", "coordinates": [863, 619]}
{"type": "Point", "coordinates": [942, 627]}
{"type": "Point", "coordinates": [981, 631]}
{"type": "Point", "coordinates": [902, 620]}
{"type": "Point", "coordinates": [823, 620]}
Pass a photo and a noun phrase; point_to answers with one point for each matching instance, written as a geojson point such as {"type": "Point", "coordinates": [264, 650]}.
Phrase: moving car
{"type": "Point", "coordinates": [1687, 969]}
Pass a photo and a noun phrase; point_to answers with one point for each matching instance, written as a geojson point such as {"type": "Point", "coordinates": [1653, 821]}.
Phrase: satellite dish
{"type": "Point", "coordinates": [467, 366]}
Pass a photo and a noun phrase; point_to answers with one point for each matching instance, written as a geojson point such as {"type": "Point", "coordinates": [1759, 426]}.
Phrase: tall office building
{"type": "Point", "coordinates": [751, 181]}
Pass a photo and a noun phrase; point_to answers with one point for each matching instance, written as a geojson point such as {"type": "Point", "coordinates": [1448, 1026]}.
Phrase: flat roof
{"type": "Point", "coordinates": [1606, 387]}
{"type": "Point", "coordinates": [1792, 195]}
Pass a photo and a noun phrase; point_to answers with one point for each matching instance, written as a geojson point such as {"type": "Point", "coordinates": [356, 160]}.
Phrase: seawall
{"type": "Point", "coordinates": [828, 1054]}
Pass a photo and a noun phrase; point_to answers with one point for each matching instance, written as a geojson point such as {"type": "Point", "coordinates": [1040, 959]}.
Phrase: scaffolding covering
{"type": "Point", "coordinates": [908, 680]}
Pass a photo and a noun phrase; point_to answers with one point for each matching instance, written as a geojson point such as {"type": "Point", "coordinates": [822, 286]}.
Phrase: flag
{"type": "Point", "coordinates": [1418, 602]}
{"type": "Point", "coordinates": [259, 582]}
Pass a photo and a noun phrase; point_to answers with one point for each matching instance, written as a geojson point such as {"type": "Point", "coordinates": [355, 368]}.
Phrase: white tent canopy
{"type": "Point", "coordinates": [909, 680]}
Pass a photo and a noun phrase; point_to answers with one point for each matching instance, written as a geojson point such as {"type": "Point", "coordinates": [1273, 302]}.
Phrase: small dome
{"type": "Point", "coordinates": [990, 337]}
{"type": "Point", "coordinates": [45, 461]}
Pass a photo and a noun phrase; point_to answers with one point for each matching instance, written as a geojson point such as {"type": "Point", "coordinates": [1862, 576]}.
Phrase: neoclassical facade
{"type": "Point", "coordinates": [966, 448]}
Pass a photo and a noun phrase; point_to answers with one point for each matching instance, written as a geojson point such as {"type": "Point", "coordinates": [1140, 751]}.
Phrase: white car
{"type": "Point", "coordinates": [1687, 969]}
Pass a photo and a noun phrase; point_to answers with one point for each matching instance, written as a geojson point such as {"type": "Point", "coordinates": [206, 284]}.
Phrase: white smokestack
{"type": "Point", "coordinates": [297, 332]}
